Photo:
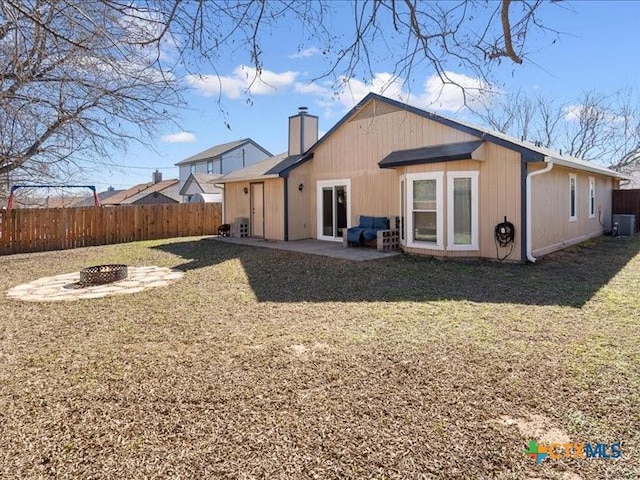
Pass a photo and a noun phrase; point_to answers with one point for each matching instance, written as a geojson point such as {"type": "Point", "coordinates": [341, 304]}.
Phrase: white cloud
{"type": "Point", "coordinates": [449, 94]}
{"type": "Point", "coordinates": [346, 93]}
{"type": "Point", "coordinates": [454, 91]}
{"type": "Point", "coordinates": [180, 137]}
{"type": "Point", "coordinates": [305, 53]}
{"type": "Point", "coordinates": [575, 113]}
{"type": "Point", "coordinates": [593, 113]}
{"type": "Point", "coordinates": [244, 80]}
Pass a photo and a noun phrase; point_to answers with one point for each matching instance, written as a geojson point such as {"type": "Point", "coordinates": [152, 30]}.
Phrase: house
{"type": "Point", "coordinates": [89, 201]}
{"type": "Point", "coordinates": [202, 187]}
{"type": "Point", "coordinates": [249, 189]}
{"type": "Point", "coordinates": [154, 192]}
{"type": "Point", "coordinates": [456, 189]}
{"type": "Point", "coordinates": [221, 159]}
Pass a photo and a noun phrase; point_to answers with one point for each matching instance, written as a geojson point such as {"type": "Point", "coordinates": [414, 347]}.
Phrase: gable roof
{"type": "Point", "coordinates": [137, 198]}
{"type": "Point", "coordinates": [219, 150]}
{"type": "Point", "coordinates": [206, 182]}
{"type": "Point", "coordinates": [530, 152]}
{"type": "Point", "coordinates": [268, 168]}
{"type": "Point", "coordinates": [138, 191]}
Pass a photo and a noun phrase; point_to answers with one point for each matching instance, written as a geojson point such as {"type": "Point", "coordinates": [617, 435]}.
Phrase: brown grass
{"type": "Point", "coordinates": [268, 364]}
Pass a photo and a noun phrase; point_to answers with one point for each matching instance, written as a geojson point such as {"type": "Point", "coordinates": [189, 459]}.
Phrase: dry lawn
{"type": "Point", "coordinates": [268, 364]}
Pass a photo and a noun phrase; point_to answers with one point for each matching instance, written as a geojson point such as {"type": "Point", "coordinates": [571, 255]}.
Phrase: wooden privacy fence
{"type": "Point", "coordinates": [627, 202]}
{"type": "Point", "coordinates": [38, 230]}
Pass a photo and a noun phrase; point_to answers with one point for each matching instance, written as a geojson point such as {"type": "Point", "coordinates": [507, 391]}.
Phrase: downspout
{"type": "Point", "coordinates": [286, 207]}
{"type": "Point", "coordinates": [530, 175]}
{"type": "Point", "coordinates": [224, 203]}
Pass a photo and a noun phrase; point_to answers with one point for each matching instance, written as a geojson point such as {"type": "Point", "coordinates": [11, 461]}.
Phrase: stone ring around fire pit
{"type": "Point", "coordinates": [74, 286]}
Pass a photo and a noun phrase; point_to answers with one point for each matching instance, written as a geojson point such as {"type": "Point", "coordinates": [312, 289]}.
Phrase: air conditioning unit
{"type": "Point", "coordinates": [626, 224]}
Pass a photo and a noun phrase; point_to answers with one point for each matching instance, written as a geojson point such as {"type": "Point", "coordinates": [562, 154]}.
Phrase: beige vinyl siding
{"type": "Point", "coordinates": [299, 202]}
{"type": "Point", "coordinates": [354, 150]}
{"type": "Point", "coordinates": [552, 229]}
{"type": "Point", "coordinates": [237, 204]}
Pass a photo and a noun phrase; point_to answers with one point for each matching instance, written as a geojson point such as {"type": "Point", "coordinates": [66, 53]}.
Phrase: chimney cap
{"type": "Point", "coordinates": [303, 109]}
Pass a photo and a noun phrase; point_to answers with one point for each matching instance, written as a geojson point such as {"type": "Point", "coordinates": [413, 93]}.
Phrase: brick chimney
{"type": "Point", "coordinates": [303, 131]}
{"type": "Point", "coordinates": [156, 176]}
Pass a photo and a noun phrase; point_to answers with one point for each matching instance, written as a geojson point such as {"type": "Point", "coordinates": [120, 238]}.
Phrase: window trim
{"type": "Point", "coordinates": [592, 197]}
{"type": "Point", "coordinates": [209, 164]}
{"type": "Point", "coordinates": [403, 203]}
{"type": "Point", "coordinates": [410, 178]}
{"type": "Point", "coordinates": [451, 176]}
{"type": "Point", "coordinates": [573, 182]}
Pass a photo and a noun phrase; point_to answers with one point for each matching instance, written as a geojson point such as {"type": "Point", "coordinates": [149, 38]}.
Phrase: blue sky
{"type": "Point", "coordinates": [597, 50]}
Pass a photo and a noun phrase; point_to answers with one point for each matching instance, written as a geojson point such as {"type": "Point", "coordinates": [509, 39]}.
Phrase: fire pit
{"type": "Point", "coordinates": [101, 274]}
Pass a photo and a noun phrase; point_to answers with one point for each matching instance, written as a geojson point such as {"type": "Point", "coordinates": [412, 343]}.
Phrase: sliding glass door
{"type": "Point", "coordinates": [333, 209]}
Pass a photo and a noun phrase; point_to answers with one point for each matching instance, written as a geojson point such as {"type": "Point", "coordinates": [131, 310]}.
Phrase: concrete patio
{"type": "Point", "coordinates": [313, 247]}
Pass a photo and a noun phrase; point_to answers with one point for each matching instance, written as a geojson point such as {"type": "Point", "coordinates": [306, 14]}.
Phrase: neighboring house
{"type": "Point", "coordinates": [201, 187]}
{"type": "Point", "coordinates": [89, 201]}
{"type": "Point", "coordinates": [450, 183]}
{"type": "Point", "coordinates": [157, 191]}
{"type": "Point", "coordinates": [222, 159]}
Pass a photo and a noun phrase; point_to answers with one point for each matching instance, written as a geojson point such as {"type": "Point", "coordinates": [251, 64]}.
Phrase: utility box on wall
{"type": "Point", "coordinates": [626, 224]}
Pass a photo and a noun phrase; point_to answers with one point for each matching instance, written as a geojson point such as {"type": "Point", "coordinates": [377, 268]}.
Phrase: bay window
{"type": "Point", "coordinates": [423, 205]}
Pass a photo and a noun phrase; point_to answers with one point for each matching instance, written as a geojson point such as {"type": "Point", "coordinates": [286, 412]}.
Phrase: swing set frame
{"type": "Point", "coordinates": [96, 200]}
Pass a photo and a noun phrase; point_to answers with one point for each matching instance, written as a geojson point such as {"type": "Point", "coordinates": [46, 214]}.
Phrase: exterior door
{"type": "Point", "coordinates": [334, 209]}
{"type": "Point", "coordinates": [257, 210]}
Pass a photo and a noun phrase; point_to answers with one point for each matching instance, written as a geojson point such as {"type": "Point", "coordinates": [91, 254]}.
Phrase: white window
{"type": "Point", "coordinates": [210, 166]}
{"type": "Point", "coordinates": [573, 215]}
{"type": "Point", "coordinates": [192, 168]}
{"type": "Point", "coordinates": [424, 210]}
{"type": "Point", "coordinates": [592, 197]}
{"type": "Point", "coordinates": [462, 210]}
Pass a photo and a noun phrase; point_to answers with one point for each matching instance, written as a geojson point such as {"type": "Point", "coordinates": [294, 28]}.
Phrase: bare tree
{"type": "Point", "coordinates": [83, 78]}
{"type": "Point", "coordinates": [70, 87]}
{"type": "Point", "coordinates": [604, 128]}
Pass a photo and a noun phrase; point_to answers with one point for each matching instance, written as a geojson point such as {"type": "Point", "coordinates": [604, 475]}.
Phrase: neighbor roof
{"type": "Point", "coordinates": [268, 168]}
{"type": "Point", "coordinates": [89, 201]}
{"type": "Point", "coordinates": [206, 182]}
{"type": "Point", "coordinates": [218, 150]}
{"type": "Point", "coordinates": [439, 153]}
{"type": "Point", "coordinates": [530, 151]}
{"type": "Point", "coordinates": [147, 193]}
{"type": "Point", "coordinates": [138, 191]}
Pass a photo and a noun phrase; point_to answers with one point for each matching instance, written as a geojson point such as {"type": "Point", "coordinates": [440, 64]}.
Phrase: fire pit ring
{"type": "Point", "coordinates": [101, 274]}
